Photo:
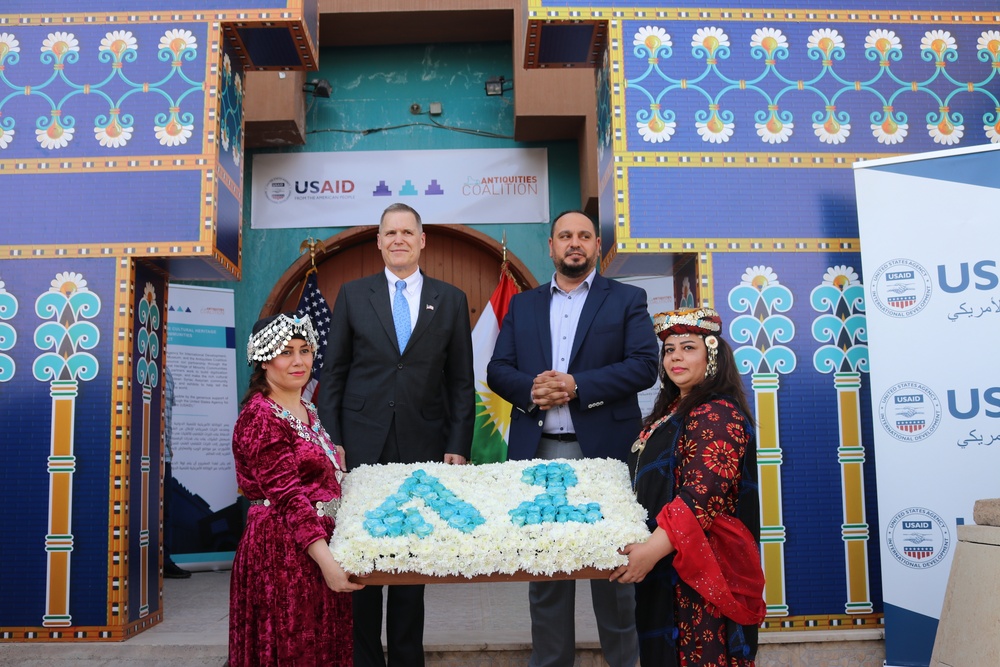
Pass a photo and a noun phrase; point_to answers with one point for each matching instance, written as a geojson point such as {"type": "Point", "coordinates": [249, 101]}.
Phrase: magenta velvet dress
{"type": "Point", "coordinates": [280, 610]}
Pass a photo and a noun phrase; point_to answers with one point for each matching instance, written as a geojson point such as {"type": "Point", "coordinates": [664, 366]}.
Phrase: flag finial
{"type": "Point", "coordinates": [315, 246]}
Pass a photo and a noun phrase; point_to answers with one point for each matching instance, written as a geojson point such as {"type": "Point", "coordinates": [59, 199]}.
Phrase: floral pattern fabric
{"type": "Point", "coordinates": [689, 477]}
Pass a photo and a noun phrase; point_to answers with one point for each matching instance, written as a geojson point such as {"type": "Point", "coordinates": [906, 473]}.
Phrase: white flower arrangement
{"type": "Point", "coordinates": [589, 538]}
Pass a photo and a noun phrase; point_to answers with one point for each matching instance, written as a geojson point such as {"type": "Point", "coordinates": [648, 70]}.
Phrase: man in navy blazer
{"type": "Point", "coordinates": [571, 357]}
{"type": "Point", "coordinates": [398, 387]}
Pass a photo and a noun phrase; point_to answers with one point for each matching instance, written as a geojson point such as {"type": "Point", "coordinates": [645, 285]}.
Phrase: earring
{"type": "Point", "coordinates": [712, 343]}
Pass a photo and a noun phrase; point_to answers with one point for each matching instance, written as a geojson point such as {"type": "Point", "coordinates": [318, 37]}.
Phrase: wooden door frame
{"type": "Point", "coordinates": [294, 276]}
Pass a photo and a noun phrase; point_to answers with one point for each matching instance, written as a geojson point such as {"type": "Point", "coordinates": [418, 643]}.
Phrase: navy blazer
{"type": "Point", "coordinates": [614, 356]}
{"type": "Point", "coordinates": [428, 388]}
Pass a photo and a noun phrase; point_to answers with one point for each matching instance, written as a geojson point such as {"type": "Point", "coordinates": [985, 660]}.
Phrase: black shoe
{"type": "Point", "coordinates": [171, 571]}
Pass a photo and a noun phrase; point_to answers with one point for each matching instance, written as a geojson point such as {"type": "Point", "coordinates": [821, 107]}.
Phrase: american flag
{"type": "Point", "coordinates": [313, 304]}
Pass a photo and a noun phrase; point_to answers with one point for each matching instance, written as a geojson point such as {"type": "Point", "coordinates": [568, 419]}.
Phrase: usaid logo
{"type": "Point", "coordinates": [278, 190]}
{"type": "Point", "coordinates": [909, 411]}
{"type": "Point", "coordinates": [900, 288]}
{"type": "Point", "coordinates": [918, 538]}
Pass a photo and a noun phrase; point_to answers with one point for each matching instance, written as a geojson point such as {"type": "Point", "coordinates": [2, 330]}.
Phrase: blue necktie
{"type": "Point", "coordinates": [401, 315]}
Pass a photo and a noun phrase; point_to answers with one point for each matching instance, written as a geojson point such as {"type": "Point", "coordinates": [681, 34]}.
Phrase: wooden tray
{"type": "Point", "coordinates": [411, 578]}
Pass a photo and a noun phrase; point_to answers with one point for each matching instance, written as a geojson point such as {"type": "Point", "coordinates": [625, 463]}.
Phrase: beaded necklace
{"type": "Point", "coordinates": [640, 444]}
{"type": "Point", "coordinates": [311, 434]}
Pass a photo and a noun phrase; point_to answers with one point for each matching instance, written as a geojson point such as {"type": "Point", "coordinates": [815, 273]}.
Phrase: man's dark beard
{"type": "Point", "coordinates": [574, 271]}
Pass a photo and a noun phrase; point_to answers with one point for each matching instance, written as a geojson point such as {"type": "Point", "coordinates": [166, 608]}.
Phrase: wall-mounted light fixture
{"type": "Point", "coordinates": [498, 85]}
{"type": "Point", "coordinates": [318, 88]}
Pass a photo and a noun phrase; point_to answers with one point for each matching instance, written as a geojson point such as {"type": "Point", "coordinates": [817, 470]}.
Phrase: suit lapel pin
{"type": "Point", "coordinates": [429, 307]}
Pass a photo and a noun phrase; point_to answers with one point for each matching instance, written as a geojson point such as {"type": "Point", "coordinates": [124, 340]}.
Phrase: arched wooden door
{"type": "Point", "coordinates": [457, 254]}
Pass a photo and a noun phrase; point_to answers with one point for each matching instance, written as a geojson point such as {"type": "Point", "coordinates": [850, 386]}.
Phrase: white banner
{"type": "Point", "coordinates": [201, 356]}
{"type": "Point", "coordinates": [346, 189]}
{"type": "Point", "coordinates": [928, 230]}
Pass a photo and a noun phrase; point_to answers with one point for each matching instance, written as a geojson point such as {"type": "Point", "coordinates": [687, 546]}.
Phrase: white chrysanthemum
{"type": "Point", "coordinates": [173, 133]}
{"type": "Point", "coordinates": [882, 41]}
{"type": "Point", "coordinates": [769, 39]}
{"type": "Point", "coordinates": [826, 40]}
{"type": "Point", "coordinates": [8, 44]}
{"type": "Point", "coordinates": [55, 136]}
{"type": "Point", "coordinates": [714, 130]}
{"type": "Point", "coordinates": [6, 136]}
{"type": "Point", "coordinates": [60, 43]}
{"type": "Point", "coordinates": [114, 135]}
{"type": "Point", "coordinates": [176, 40]}
{"type": "Point", "coordinates": [759, 277]}
{"type": "Point", "coordinates": [237, 155]}
{"type": "Point", "coordinates": [946, 132]}
{"type": "Point", "coordinates": [68, 282]}
{"type": "Point", "coordinates": [652, 37]}
{"type": "Point", "coordinates": [937, 41]}
{"type": "Point", "coordinates": [774, 131]}
{"type": "Point", "coordinates": [710, 39]}
{"type": "Point", "coordinates": [227, 65]}
{"type": "Point", "coordinates": [149, 292]}
{"type": "Point", "coordinates": [656, 130]}
{"type": "Point", "coordinates": [890, 132]}
{"type": "Point", "coordinates": [840, 276]}
{"type": "Point", "coordinates": [497, 545]}
{"type": "Point", "coordinates": [118, 42]}
{"type": "Point", "coordinates": [831, 132]}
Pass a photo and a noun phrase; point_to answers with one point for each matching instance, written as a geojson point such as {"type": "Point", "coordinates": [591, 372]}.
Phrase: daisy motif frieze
{"type": "Point", "coordinates": [95, 88]}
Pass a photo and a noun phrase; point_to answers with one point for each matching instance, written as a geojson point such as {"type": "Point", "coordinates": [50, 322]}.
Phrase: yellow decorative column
{"type": "Point", "coordinates": [772, 528]}
{"type": "Point", "coordinates": [65, 306]}
{"type": "Point", "coordinates": [843, 327]}
{"type": "Point", "coordinates": [761, 331]}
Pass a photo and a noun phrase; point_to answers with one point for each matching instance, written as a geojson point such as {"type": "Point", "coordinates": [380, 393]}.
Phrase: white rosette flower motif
{"type": "Point", "coordinates": [652, 39]}
{"type": "Point", "coordinates": [840, 276]}
{"type": "Point", "coordinates": [709, 42]}
{"type": "Point", "coordinates": [759, 277]}
{"type": "Point", "coordinates": [945, 131]}
{"type": "Point", "coordinates": [770, 42]}
{"type": "Point", "coordinates": [883, 42]}
{"type": "Point", "coordinates": [939, 45]}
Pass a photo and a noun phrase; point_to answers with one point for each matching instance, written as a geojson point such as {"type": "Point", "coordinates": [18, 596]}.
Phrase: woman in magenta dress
{"type": "Point", "coordinates": [289, 602]}
{"type": "Point", "coordinates": [698, 580]}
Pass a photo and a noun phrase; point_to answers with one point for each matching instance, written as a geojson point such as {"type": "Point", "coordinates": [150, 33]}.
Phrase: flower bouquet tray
{"type": "Point", "coordinates": [412, 578]}
{"type": "Point", "coordinates": [515, 521]}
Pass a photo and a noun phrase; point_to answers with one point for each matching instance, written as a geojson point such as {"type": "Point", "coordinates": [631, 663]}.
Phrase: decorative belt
{"type": "Point", "coordinates": [322, 508]}
{"type": "Point", "coordinates": [560, 437]}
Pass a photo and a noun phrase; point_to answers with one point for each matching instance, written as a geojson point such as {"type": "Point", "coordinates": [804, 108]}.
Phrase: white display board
{"type": "Point", "coordinates": [928, 226]}
{"type": "Point", "coordinates": [346, 189]}
{"type": "Point", "coordinates": [201, 356]}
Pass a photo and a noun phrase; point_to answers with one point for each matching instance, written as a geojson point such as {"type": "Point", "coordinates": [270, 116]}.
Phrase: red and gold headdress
{"type": "Point", "coordinates": [704, 322]}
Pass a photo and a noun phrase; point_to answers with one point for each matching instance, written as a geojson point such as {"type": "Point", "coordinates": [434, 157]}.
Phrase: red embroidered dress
{"type": "Point", "coordinates": [280, 610]}
{"type": "Point", "coordinates": [700, 606]}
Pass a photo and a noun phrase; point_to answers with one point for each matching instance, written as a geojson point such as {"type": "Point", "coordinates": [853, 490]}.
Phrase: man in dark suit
{"type": "Point", "coordinates": [397, 387]}
{"type": "Point", "coordinates": [570, 358]}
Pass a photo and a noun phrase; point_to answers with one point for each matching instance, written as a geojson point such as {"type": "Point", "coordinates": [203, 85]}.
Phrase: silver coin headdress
{"type": "Point", "coordinates": [268, 343]}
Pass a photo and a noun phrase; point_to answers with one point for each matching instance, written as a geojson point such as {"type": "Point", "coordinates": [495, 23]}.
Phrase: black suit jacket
{"type": "Point", "coordinates": [428, 388]}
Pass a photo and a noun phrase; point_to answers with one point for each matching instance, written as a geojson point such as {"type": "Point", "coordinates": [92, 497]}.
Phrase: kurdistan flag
{"type": "Point", "coordinates": [489, 439]}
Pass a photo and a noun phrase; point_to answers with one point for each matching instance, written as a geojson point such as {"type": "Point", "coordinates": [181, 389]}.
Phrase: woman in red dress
{"type": "Point", "coordinates": [698, 580]}
{"type": "Point", "coordinates": [288, 600]}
